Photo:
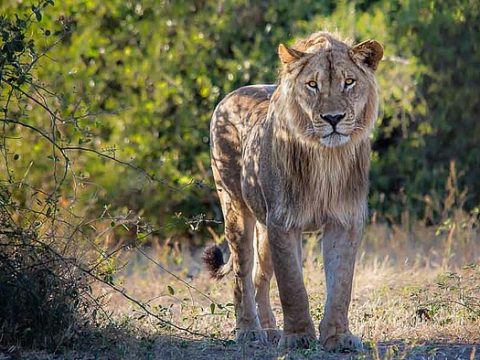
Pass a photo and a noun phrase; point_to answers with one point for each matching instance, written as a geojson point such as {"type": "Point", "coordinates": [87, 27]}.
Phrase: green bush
{"type": "Point", "coordinates": [45, 299]}
{"type": "Point", "coordinates": [138, 81]}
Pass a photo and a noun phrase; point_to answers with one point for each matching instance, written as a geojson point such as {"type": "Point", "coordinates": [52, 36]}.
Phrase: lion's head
{"type": "Point", "coordinates": [330, 88]}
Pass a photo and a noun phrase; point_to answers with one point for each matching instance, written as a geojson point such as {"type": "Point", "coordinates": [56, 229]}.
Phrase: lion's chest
{"type": "Point", "coordinates": [302, 192]}
{"type": "Point", "coordinates": [320, 195]}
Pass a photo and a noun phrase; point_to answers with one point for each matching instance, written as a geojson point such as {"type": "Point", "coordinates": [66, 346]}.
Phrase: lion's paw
{"type": "Point", "coordinates": [342, 343]}
{"type": "Point", "coordinates": [252, 337]}
{"type": "Point", "coordinates": [296, 341]}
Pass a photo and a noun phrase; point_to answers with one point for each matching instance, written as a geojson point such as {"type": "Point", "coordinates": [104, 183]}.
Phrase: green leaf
{"type": "Point", "coordinates": [212, 308]}
{"type": "Point", "coordinates": [170, 290]}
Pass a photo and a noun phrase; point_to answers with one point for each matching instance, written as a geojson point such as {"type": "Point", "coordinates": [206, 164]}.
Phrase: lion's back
{"type": "Point", "coordinates": [232, 121]}
{"type": "Point", "coordinates": [238, 106]}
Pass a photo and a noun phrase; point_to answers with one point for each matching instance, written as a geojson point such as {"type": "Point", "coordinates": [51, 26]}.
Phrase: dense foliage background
{"type": "Point", "coordinates": [138, 81]}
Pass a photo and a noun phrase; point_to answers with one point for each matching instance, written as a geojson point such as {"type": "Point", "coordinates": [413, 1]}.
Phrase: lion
{"type": "Point", "coordinates": [287, 159]}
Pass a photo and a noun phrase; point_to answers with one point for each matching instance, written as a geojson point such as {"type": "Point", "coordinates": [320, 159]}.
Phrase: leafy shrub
{"type": "Point", "coordinates": [44, 300]}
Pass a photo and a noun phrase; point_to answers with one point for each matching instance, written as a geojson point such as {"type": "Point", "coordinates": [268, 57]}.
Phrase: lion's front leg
{"type": "Point", "coordinates": [298, 328]}
{"type": "Point", "coordinates": [339, 249]}
{"type": "Point", "coordinates": [262, 279]}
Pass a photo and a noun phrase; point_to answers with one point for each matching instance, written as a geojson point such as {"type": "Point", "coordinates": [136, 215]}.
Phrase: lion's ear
{"type": "Point", "coordinates": [287, 55]}
{"type": "Point", "coordinates": [369, 52]}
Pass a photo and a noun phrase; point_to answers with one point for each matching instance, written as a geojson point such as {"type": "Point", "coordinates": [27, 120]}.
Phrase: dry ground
{"type": "Point", "coordinates": [416, 296]}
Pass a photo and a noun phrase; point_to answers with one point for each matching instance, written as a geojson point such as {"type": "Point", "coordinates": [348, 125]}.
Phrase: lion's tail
{"type": "Point", "coordinates": [213, 259]}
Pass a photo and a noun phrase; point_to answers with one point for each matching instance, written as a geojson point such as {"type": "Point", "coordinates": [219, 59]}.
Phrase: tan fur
{"type": "Point", "coordinates": [279, 167]}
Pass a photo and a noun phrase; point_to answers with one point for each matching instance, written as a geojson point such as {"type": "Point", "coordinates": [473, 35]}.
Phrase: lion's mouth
{"type": "Point", "coordinates": [334, 132]}
{"type": "Point", "coordinates": [335, 139]}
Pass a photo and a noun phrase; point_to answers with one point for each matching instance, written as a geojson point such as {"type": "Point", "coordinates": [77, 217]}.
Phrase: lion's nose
{"type": "Point", "coordinates": [333, 119]}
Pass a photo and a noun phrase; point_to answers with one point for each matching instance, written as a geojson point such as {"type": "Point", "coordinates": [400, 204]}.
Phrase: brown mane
{"type": "Point", "coordinates": [321, 181]}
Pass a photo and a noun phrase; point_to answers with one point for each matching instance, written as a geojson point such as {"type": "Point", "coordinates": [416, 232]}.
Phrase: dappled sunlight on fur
{"type": "Point", "coordinates": [291, 158]}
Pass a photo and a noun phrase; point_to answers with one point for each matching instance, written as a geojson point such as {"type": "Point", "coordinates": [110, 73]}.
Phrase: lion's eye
{"type": "Point", "coordinates": [349, 82]}
{"type": "Point", "coordinates": [312, 84]}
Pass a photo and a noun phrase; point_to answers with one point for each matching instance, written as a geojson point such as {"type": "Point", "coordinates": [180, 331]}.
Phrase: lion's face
{"type": "Point", "coordinates": [332, 89]}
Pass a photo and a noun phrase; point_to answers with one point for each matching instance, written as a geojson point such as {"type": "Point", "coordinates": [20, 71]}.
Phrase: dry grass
{"type": "Point", "coordinates": [416, 295]}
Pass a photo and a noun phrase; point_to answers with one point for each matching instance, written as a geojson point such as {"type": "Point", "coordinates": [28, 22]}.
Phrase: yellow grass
{"type": "Point", "coordinates": [416, 293]}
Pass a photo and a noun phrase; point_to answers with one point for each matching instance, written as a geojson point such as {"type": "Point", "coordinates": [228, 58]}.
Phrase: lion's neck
{"type": "Point", "coordinates": [320, 182]}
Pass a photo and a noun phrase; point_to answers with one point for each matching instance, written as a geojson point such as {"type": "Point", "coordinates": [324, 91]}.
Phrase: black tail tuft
{"type": "Point", "coordinates": [213, 260]}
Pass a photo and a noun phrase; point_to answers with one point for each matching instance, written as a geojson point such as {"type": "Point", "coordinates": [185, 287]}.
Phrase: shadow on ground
{"type": "Point", "coordinates": [173, 348]}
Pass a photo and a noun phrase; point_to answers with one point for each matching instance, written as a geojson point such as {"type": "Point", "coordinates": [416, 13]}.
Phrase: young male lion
{"type": "Point", "coordinates": [290, 158]}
